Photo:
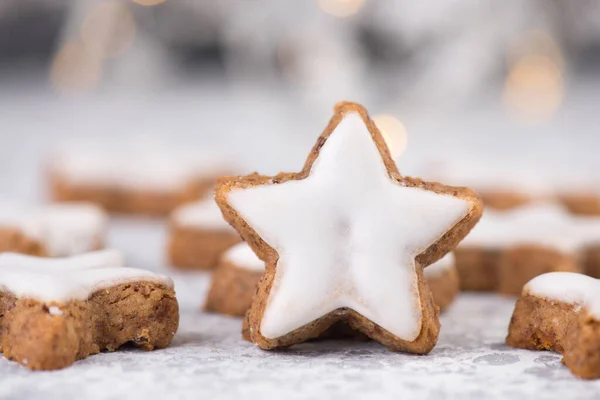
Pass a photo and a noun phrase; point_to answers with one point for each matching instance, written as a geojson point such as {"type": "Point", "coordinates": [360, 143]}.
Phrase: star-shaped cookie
{"type": "Point", "coordinates": [54, 311]}
{"type": "Point", "coordinates": [560, 311]}
{"type": "Point", "coordinates": [346, 239]}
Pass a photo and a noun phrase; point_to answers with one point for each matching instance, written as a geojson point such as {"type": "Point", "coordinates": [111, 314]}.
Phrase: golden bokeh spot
{"type": "Point", "coordinates": [108, 30]}
{"type": "Point", "coordinates": [393, 132]}
{"type": "Point", "coordinates": [148, 2]}
{"type": "Point", "coordinates": [74, 70]}
{"type": "Point", "coordinates": [340, 8]}
{"type": "Point", "coordinates": [540, 42]}
{"type": "Point", "coordinates": [534, 88]}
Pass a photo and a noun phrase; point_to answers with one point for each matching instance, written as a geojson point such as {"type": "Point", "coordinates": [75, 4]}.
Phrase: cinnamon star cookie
{"type": "Point", "coordinates": [346, 239]}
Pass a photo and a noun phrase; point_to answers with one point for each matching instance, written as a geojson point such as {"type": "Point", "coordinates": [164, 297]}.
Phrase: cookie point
{"type": "Point", "coordinates": [346, 106]}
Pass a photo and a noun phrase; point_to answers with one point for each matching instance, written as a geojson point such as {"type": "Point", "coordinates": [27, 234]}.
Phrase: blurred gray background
{"type": "Point", "coordinates": [513, 86]}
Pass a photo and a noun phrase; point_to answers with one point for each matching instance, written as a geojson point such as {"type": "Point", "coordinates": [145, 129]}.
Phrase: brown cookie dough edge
{"type": "Point", "coordinates": [144, 313]}
{"type": "Point", "coordinates": [130, 200]}
{"type": "Point", "coordinates": [542, 324]}
{"type": "Point", "coordinates": [13, 240]}
{"type": "Point", "coordinates": [231, 289]}
{"type": "Point", "coordinates": [196, 248]}
{"type": "Point", "coordinates": [444, 287]}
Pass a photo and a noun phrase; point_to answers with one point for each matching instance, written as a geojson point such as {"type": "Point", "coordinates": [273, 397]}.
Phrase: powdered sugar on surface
{"type": "Point", "coordinates": [208, 359]}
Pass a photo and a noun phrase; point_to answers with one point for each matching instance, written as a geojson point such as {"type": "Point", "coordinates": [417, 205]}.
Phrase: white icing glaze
{"type": "Point", "coordinates": [440, 267]}
{"type": "Point", "coordinates": [533, 224]}
{"type": "Point", "coordinates": [347, 236]}
{"type": "Point", "coordinates": [242, 256]}
{"type": "Point", "coordinates": [18, 216]}
{"type": "Point", "coordinates": [567, 287]}
{"type": "Point", "coordinates": [70, 279]}
{"type": "Point", "coordinates": [64, 229]}
{"type": "Point", "coordinates": [91, 260]}
{"type": "Point", "coordinates": [203, 214]}
{"type": "Point", "coordinates": [544, 224]}
{"type": "Point", "coordinates": [139, 164]}
{"type": "Point", "coordinates": [71, 228]}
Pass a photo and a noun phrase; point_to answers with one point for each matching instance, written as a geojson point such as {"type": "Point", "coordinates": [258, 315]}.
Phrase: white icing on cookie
{"type": "Point", "coordinates": [91, 260]}
{"type": "Point", "coordinates": [18, 216]}
{"type": "Point", "coordinates": [242, 256]}
{"type": "Point", "coordinates": [347, 236]}
{"type": "Point", "coordinates": [75, 278]}
{"type": "Point", "coordinates": [71, 228]}
{"type": "Point", "coordinates": [544, 224]}
{"type": "Point", "coordinates": [203, 214]}
{"type": "Point", "coordinates": [64, 229]}
{"type": "Point", "coordinates": [567, 287]}
{"type": "Point", "coordinates": [440, 267]}
{"type": "Point", "coordinates": [139, 164]}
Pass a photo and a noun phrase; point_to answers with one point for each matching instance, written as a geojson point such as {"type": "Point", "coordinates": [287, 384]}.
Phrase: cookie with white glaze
{"type": "Point", "coordinates": [198, 235]}
{"type": "Point", "coordinates": [239, 270]}
{"type": "Point", "coordinates": [503, 189]}
{"type": "Point", "coordinates": [138, 176]}
{"type": "Point", "coordinates": [581, 194]}
{"type": "Point", "coordinates": [498, 187]}
{"type": "Point", "coordinates": [56, 311]}
{"type": "Point", "coordinates": [443, 281]}
{"type": "Point", "coordinates": [346, 239]}
{"type": "Point", "coordinates": [587, 231]}
{"type": "Point", "coordinates": [55, 230]}
{"type": "Point", "coordinates": [507, 249]}
{"type": "Point", "coordinates": [560, 311]}
{"type": "Point", "coordinates": [234, 281]}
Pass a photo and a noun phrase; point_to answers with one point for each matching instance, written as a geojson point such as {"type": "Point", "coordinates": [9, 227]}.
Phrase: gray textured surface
{"type": "Point", "coordinates": [208, 359]}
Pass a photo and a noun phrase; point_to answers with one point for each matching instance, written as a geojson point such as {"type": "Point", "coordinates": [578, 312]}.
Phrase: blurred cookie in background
{"type": "Point", "coordinates": [507, 249]}
{"type": "Point", "coordinates": [55, 230]}
{"type": "Point", "coordinates": [500, 188]}
{"type": "Point", "coordinates": [135, 177]}
{"type": "Point", "coordinates": [504, 187]}
{"type": "Point", "coordinates": [198, 235]}
{"type": "Point", "coordinates": [583, 202]}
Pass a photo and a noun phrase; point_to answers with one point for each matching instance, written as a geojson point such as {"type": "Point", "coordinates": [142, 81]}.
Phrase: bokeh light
{"type": "Point", "coordinates": [393, 132]}
{"type": "Point", "coordinates": [534, 88]}
{"type": "Point", "coordinates": [536, 41]}
{"type": "Point", "coordinates": [340, 8]}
